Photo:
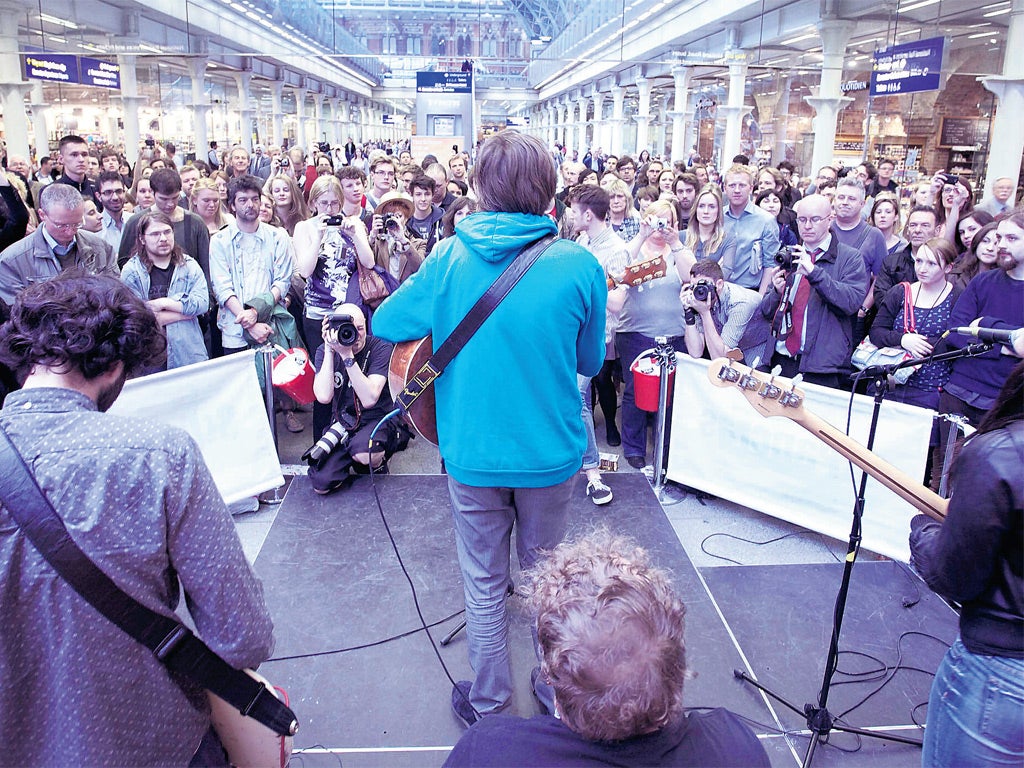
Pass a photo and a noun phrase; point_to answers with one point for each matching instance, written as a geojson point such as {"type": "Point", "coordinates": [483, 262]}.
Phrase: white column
{"type": "Point", "coordinates": [40, 132]}
{"type": "Point", "coordinates": [130, 103]}
{"type": "Point", "coordinates": [549, 110]}
{"type": "Point", "coordinates": [734, 110]}
{"type": "Point", "coordinates": [660, 133]}
{"type": "Point", "coordinates": [598, 141]}
{"type": "Point", "coordinates": [200, 106]}
{"type": "Point", "coordinates": [1007, 143]}
{"type": "Point", "coordinates": [300, 116]}
{"type": "Point", "coordinates": [245, 111]}
{"type": "Point", "coordinates": [618, 146]}
{"type": "Point", "coordinates": [277, 110]}
{"type": "Point", "coordinates": [829, 100]}
{"type": "Point", "coordinates": [643, 115]}
{"type": "Point", "coordinates": [584, 142]}
{"type": "Point", "coordinates": [318, 116]}
{"type": "Point", "coordinates": [681, 84]}
{"type": "Point", "coordinates": [12, 87]}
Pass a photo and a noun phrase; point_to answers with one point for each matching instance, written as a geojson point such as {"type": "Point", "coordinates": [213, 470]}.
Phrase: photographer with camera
{"type": "Point", "coordinates": [818, 287]}
{"type": "Point", "coordinates": [351, 377]}
{"type": "Point", "coordinates": [721, 316]}
{"type": "Point", "coordinates": [395, 247]}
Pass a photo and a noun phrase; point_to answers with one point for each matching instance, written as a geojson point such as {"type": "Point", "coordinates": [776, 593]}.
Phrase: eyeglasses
{"type": "Point", "coordinates": [161, 235]}
{"type": "Point", "coordinates": [804, 221]}
{"type": "Point", "coordinates": [384, 173]}
{"type": "Point", "coordinates": [73, 227]}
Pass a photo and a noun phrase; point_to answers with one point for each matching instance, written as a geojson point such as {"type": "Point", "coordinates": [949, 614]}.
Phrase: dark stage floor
{"type": "Point", "coordinates": [336, 589]}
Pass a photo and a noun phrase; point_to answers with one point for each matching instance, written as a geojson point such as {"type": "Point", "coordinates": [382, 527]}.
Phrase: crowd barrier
{"type": "Point", "coordinates": [721, 445]}
{"type": "Point", "coordinates": [219, 403]}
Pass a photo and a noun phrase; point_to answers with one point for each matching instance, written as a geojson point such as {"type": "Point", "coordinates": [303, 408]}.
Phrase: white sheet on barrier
{"type": "Point", "coordinates": [721, 445]}
{"type": "Point", "coordinates": [220, 404]}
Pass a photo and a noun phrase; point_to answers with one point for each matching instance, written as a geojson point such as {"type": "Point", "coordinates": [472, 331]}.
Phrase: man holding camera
{"type": "Point", "coordinates": [395, 247]}
{"type": "Point", "coordinates": [721, 316]}
{"type": "Point", "coordinates": [818, 288]}
{"type": "Point", "coordinates": [352, 370]}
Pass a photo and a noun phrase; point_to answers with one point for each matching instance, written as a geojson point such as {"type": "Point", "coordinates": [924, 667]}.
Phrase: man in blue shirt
{"type": "Point", "coordinates": [756, 232]}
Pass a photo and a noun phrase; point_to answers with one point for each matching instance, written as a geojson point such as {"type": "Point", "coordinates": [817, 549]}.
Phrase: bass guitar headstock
{"type": "Point", "coordinates": [768, 393]}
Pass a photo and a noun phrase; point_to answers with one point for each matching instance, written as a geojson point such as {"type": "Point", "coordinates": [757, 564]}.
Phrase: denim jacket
{"type": "Point", "coordinates": [188, 285]}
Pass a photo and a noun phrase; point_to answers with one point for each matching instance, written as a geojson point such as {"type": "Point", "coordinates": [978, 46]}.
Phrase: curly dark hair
{"type": "Point", "coordinates": [81, 322]}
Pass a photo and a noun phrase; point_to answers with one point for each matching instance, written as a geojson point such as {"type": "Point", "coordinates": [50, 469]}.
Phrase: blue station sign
{"type": "Point", "coordinates": [908, 68]}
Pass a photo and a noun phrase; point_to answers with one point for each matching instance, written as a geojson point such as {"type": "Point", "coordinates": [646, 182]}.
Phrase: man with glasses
{"type": "Point", "coordinates": [755, 230]}
{"type": "Point", "coordinates": [55, 246]}
{"type": "Point", "coordinates": [813, 302]}
{"type": "Point", "coordinates": [112, 195]}
{"type": "Point", "coordinates": [382, 180]}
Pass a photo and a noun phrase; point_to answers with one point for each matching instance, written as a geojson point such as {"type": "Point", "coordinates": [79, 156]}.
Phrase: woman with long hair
{"type": "Point", "coordinates": [205, 202]}
{"type": "Point", "coordinates": [289, 206]}
{"type": "Point", "coordinates": [933, 296]}
{"type": "Point", "coordinates": [953, 199]}
{"type": "Point", "coordinates": [981, 256]}
{"type": "Point", "coordinates": [770, 201]}
{"type": "Point", "coordinates": [885, 216]}
{"type": "Point", "coordinates": [172, 285]}
{"type": "Point", "coordinates": [976, 558]}
{"type": "Point", "coordinates": [460, 208]}
{"type": "Point", "coordinates": [141, 194]}
{"type": "Point", "coordinates": [220, 180]}
{"type": "Point", "coordinates": [647, 310]}
{"type": "Point", "coordinates": [967, 226]}
{"type": "Point", "coordinates": [706, 236]}
{"type": "Point", "coordinates": [622, 216]}
{"type": "Point", "coordinates": [666, 183]}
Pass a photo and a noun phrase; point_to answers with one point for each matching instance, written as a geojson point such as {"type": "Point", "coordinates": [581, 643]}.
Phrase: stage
{"type": "Point", "coordinates": [369, 691]}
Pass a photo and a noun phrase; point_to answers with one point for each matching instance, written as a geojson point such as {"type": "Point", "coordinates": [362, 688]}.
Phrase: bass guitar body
{"type": "Point", "coordinates": [407, 359]}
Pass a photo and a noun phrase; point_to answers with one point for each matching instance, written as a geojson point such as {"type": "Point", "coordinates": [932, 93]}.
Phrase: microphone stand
{"type": "Point", "coordinates": [819, 720]}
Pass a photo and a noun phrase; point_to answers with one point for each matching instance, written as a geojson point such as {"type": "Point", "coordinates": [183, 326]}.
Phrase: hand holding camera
{"type": "Point", "coordinates": [340, 332]}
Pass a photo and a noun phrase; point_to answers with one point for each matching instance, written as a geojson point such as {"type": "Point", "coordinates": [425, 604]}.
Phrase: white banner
{"type": "Point", "coordinates": [219, 403]}
{"type": "Point", "coordinates": [721, 445]}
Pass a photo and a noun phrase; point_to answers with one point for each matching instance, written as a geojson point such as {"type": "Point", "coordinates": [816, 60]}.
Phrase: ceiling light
{"type": "Point", "coordinates": [55, 20]}
{"type": "Point", "coordinates": [976, 35]}
{"type": "Point", "coordinates": [792, 40]}
{"type": "Point", "coordinates": [1000, 12]}
{"type": "Point", "coordinates": [908, 32]}
{"type": "Point", "coordinates": [915, 6]}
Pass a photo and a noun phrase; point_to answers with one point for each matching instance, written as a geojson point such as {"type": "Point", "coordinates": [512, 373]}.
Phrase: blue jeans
{"type": "Point", "coordinates": [975, 711]}
{"type": "Point", "coordinates": [483, 531]}
{"type": "Point", "coordinates": [635, 422]}
{"type": "Point", "coordinates": [591, 459]}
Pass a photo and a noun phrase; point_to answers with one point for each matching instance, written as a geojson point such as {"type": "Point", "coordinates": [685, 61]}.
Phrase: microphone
{"type": "Point", "coordinates": [988, 335]}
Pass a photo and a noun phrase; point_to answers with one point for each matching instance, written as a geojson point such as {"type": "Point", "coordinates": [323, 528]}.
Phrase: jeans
{"type": "Point", "coordinates": [975, 711]}
{"type": "Point", "coordinates": [591, 459]}
{"type": "Point", "coordinates": [483, 532]}
{"type": "Point", "coordinates": [635, 422]}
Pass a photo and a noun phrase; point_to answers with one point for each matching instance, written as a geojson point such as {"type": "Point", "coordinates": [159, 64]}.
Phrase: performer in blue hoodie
{"type": "Point", "coordinates": [508, 410]}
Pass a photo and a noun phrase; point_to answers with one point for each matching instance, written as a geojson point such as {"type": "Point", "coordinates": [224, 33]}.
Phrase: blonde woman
{"type": "Point", "coordinates": [205, 202]}
{"type": "Point", "coordinates": [706, 236]}
{"type": "Point", "coordinates": [289, 206]}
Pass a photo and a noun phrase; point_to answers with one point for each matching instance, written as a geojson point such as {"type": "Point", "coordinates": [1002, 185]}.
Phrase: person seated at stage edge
{"type": "Point", "coordinates": [610, 636]}
{"type": "Point", "coordinates": [353, 381]}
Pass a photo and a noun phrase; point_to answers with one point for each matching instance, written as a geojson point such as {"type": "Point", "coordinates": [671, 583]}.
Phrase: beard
{"type": "Point", "coordinates": [106, 396]}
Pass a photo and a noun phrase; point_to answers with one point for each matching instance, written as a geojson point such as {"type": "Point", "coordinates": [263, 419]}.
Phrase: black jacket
{"type": "Point", "coordinates": [977, 556]}
{"type": "Point", "coordinates": [897, 267]}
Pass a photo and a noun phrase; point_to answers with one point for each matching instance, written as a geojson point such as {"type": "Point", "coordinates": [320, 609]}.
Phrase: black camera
{"type": "Point", "coordinates": [334, 221]}
{"type": "Point", "coordinates": [324, 147]}
{"type": "Point", "coordinates": [951, 178]}
{"type": "Point", "coordinates": [343, 323]}
{"type": "Point", "coordinates": [389, 223]}
{"type": "Point", "coordinates": [150, 143]}
{"type": "Point", "coordinates": [787, 258]}
{"type": "Point", "coordinates": [335, 436]}
{"type": "Point", "coordinates": [703, 290]}
{"type": "Point", "coordinates": [285, 162]}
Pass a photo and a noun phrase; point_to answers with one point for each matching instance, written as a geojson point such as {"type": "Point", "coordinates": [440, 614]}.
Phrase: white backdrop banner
{"type": "Point", "coordinates": [219, 403]}
{"type": "Point", "coordinates": [722, 446]}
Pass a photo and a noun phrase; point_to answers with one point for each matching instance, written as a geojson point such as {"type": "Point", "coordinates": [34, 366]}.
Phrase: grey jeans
{"type": "Point", "coordinates": [483, 533]}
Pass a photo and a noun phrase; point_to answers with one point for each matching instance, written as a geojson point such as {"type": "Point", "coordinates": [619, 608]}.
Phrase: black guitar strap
{"type": "Point", "coordinates": [170, 641]}
{"type": "Point", "coordinates": [469, 325]}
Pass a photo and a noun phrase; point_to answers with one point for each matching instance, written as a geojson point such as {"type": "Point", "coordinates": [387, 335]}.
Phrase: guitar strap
{"type": "Point", "coordinates": [469, 325]}
{"type": "Point", "coordinates": [171, 642]}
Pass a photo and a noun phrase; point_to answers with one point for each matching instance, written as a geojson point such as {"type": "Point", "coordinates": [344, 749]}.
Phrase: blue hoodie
{"type": "Point", "coordinates": [508, 408]}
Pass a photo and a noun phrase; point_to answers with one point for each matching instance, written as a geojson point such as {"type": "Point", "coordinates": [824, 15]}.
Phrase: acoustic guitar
{"type": "Point", "coordinates": [774, 396]}
{"type": "Point", "coordinates": [405, 368]}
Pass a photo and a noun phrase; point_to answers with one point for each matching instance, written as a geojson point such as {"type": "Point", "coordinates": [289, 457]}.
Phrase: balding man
{"type": "Point", "coordinates": [813, 302]}
{"type": "Point", "coordinates": [1001, 200]}
{"type": "Point", "coordinates": [353, 377]}
{"type": "Point", "coordinates": [55, 246]}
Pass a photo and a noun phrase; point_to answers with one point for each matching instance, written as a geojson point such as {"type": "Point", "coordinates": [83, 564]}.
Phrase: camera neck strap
{"type": "Point", "coordinates": [471, 323]}
{"type": "Point", "coordinates": [171, 642]}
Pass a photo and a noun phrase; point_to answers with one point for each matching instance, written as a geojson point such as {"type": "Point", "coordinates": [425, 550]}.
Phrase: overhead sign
{"type": "Point", "coordinates": [395, 119]}
{"type": "Point", "coordinates": [55, 67]}
{"type": "Point", "coordinates": [103, 74]}
{"type": "Point", "coordinates": [517, 122]}
{"type": "Point", "coordinates": [444, 82]}
{"type": "Point", "coordinates": [908, 68]}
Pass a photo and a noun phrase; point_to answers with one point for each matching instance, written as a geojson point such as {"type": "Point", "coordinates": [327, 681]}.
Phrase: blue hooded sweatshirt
{"type": "Point", "coordinates": [508, 408]}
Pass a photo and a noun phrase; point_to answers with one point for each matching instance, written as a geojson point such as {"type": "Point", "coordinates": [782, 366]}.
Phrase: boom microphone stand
{"type": "Point", "coordinates": [819, 720]}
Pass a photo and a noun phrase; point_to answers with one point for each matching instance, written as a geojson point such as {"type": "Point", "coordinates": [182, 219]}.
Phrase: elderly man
{"type": "Point", "coordinates": [56, 245]}
{"type": "Point", "coordinates": [1001, 200]}
{"type": "Point", "coordinates": [610, 631]}
{"type": "Point", "coordinates": [813, 303]}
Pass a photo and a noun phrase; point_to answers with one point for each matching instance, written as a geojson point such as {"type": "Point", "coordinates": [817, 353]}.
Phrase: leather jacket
{"type": "Point", "coordinates": [977, 556]}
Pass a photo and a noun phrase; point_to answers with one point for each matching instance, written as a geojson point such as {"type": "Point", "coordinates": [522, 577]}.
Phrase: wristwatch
{"type": "Point", "coordinates": [348, 362]}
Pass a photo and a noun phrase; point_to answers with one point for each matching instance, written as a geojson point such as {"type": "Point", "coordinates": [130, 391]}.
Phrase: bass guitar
{"type": "Point", "coordinates": [407, 361]}
{"type": "Point", "coordinates": [774, 396]}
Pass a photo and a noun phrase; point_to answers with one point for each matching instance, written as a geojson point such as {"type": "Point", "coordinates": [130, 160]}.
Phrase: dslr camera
{"type": "Point", "coordinates": [335, 436]}
{"type": "Point", "coordinates": [388, 223]}
{"type": "Point", "coordinates": [787, 258]}
{"type": "Point", "coordinates": [334, 221]}
{"type": "Point", "coordinates": [343, 323]}
{"type": "Point", "coordinates": [324, 147]}
{"type": "Point", "coordinates": [951, 179]}
{"type": "Point", "coordinates": [703, 290]}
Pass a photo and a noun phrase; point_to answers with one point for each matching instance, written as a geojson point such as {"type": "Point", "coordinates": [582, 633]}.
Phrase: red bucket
{"type": "Point", "coordinates": [293, 374]}
{"type": "Point", "coordinates": [647, 381]}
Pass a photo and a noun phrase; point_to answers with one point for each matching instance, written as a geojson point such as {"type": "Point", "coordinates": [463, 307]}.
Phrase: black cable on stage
{"type": "Point", "coordinates": [298, 754]}
{"type": "Point", "coordinates": [401, 563]}
{"type": "Point", "coordinates": [756, 543]}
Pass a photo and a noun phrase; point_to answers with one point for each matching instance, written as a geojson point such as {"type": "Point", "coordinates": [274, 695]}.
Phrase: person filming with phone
{"type": "Point", "coordinates": [352, 370]}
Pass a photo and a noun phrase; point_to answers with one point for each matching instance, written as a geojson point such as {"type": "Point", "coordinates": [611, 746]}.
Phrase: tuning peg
{"type": "Point", "coordinates": [756, 362]}
{"type": "Point", "coordinates": [776, 371]}
{"type": "Point", "coordinates": [792, 398]}
{"type": "Point", "coordinates": [796, 380]}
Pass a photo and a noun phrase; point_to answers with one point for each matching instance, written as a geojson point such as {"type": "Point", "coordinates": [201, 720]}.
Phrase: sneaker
{"type": "Point", "coordinates": [598, 492]}
{"type": "Point", "coordinates": [292, 422]}
{"type": "Point", "coordinates": [636, 462]}
{"type": "Point", "coordinates": [460, 703]}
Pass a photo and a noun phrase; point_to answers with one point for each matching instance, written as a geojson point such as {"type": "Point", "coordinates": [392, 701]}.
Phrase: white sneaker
{"type": "Point", "coordinates": [598, 492]}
